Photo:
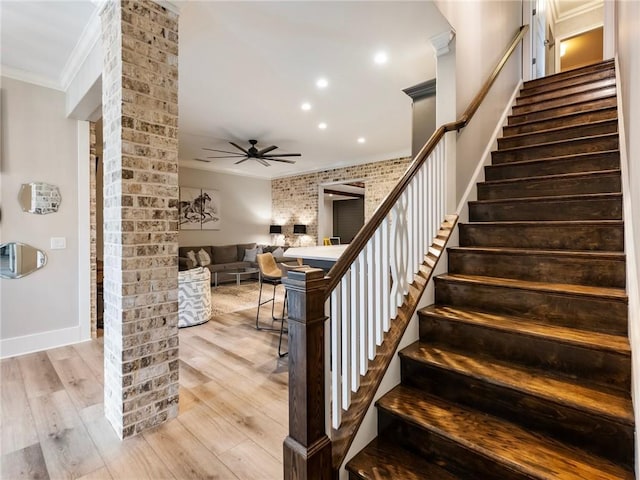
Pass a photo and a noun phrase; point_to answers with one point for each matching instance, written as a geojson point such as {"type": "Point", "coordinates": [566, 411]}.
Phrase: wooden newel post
{"type": "Point", "coordinates": [307, 449]}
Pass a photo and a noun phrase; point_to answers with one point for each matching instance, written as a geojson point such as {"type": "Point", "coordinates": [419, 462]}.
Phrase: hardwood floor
{"type": "Point", "coordinates": [232, 421]}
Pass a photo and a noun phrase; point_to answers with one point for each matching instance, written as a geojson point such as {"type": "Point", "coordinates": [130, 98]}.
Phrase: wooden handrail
{"type": "Point", "coordinates": [355, 247]}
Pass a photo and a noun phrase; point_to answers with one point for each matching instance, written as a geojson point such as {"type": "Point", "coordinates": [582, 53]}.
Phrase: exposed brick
{"type": "Point", "coordinates": [140, 95]}
{"type": "Point", "coordinates": [295, 198]}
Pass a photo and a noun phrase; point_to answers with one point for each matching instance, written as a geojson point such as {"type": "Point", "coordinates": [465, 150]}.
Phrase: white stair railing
{"type": "Point", "coordinates": [367, 297]}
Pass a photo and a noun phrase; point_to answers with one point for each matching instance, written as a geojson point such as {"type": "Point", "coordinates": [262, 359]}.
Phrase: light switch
{"type": "Point", "coordinates": [58, 243]}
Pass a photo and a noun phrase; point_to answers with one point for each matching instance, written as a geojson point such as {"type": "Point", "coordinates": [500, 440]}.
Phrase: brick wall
{"type": "Point", "coordinates": [140, 114]}
{"type": "Point", "coordinates": [295, 199]}
{"type": "Point", "coordinates": [92, 228]}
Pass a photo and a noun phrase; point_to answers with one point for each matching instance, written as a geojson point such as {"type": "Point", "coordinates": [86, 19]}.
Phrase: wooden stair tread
{"type": "Point", "coordinates": [558, 176]}
{"type": "Point", "coordinates": [514, 116]}
{"type": "Point", "coordinates": [550, 223]}
{"type": "Point", "coordinates": [583, 338]}
{"type": "Point", "coordinates": [574, 72]}
{"type": "Point", "coordinates": [557, 142]}
{"type": "Point", "coordinates": [557, 86]}
{"type": "Point", "coordinates": [385, 460]}
{"type": "Point", "coordinates": [553, 159]}
{"type": "Point", "coordinates": [565, 101]}
{"type": "Point", "coordinates": [559, 129]}
{"type": "Point", "coordinates": [569, 96]}
{"type": "Point", "coordinates": [528, 381]}
{"type": "Point", "coordinates": [580, 197]}
{"type": "Point", "coordinates": [533, 455]}
{"type": "Point", "coordinates": [616, 294]}
{"type": "Point", "coordinates": [535, 251]}
{"type": "Point", "coordinates": [565, 115]}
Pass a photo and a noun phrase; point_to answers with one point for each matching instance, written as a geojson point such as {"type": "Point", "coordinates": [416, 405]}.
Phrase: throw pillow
{"type": "Point", "coordinates": [204, 258]}
{"type": "Point", "coordinates": [250, 254]}
{"type": "Point", "coordinates": [278, 252]}
{"type": "Point", "coordinates": [191, 255]}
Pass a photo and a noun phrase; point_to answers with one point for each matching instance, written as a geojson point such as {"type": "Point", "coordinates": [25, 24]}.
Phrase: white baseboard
{"type": "Point", "coordinates": [10, 347]}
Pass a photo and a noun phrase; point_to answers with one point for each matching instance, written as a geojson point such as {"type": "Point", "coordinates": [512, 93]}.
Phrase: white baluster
{"type": "Point", "coordinates": [385, 293]}
{"type": "Point", "coordinates": [371, 295]}
{"type": "Point", "coordinates": [362, 299]}
{"type": "Point", "coordinates": [378, 275]}
{"type": "Point", "coordinates": [394, 260]}
{"type": "Point", "coordinates": [346, 341]}
{"type": "Point", "coordinates": [336, 358]}
{"type": "Point", "coordinates": [355, 326]}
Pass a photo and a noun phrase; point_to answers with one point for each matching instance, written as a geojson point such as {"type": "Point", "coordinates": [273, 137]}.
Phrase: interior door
{"type": "Point", "coordinates": [538, 37]}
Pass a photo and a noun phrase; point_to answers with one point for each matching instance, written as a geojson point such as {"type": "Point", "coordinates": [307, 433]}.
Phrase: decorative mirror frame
{"type": "Point", "coordinates": [39, 198]}
{"type": "Point", "coordinates": [6, 261]}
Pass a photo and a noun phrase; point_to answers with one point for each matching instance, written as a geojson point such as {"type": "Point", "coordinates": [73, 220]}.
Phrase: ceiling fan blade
{"type": "Point", "coordinates": [266, 164]}
{"type": "Point", "coordinates": [243, 160]}
{"type": "Point", "coordinates": [239, 147]}
{"type": "Point", "coordinates": [283, 155]}
{"type": "Point", "coordinates": [280, 160]}
{"type": "Point", "coordinates": [266, 150]}
{"type": "Point", "coordinates": [230, 156]}
{"type": "Point", "coordinates": [202, 160]}
{"type": "Point", "coordinates": [221, 151]}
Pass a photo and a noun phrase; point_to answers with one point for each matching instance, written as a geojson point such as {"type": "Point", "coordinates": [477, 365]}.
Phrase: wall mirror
{"type": "Point", "coordinates": [18, 259]}
{"type": "Point", "coordinates": [39, 197]}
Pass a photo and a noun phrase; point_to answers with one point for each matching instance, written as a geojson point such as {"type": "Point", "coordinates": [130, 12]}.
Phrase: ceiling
{"type": "Point", "coordinates": [566, 9]}
{"type": "Point", "coordinates": [245, 68]}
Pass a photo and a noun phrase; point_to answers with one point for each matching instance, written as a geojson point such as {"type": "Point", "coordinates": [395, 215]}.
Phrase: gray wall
{"type": "Point", "coordinates": [245, 205]}
{"type": "Point", "coordinates": [39, 144]}
{"type": "Point", "coordinates": [424, 122]}
{"type": "Point", "coordinates": [348, 218]}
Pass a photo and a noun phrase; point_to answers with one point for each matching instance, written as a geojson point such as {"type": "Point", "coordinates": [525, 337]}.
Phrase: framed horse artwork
{"type": "Point", "coordinates": [210, 203]}
{"type": "Point", "coordinates": [190, 213]}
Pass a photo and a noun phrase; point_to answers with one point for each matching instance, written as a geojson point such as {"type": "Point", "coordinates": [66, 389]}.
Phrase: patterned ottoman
{"type": "Point", "coordinates": [194, 297]}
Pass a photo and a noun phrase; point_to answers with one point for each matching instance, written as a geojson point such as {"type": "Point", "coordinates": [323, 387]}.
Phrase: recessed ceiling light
{"type": "Point", "coordinates": [361, 140]}
{"type": "Point", "coordinates": [322, 126]}
{"type": "Point", "coordinates": [381, 58]}
{"type": "Point", "coordinates": [306, 106]}
{"type": "Point", "coordinates": [322, 83]}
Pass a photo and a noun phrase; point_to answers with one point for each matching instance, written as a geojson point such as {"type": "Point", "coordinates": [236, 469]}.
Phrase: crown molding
{"type": "Point", "coordinates": [30, 77]}
{"type": "Point", "coordinates": [88, 39]}
{"type": "Point", "coordinates": [441, 42]}
{"type": "Point", "coordinates": [574, 12]}
{"type": "Point", "coordinates": [422, 90]}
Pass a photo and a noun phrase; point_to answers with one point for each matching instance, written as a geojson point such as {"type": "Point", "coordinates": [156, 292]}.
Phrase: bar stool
{"type": "Point", "coordinates": [272, 275]}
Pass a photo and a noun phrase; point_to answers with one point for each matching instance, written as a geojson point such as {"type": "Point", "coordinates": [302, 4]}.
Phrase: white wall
{"type": "Point", "coordinates": [483, 32]}
{"type": "Point", "coordinates": [39, 144]}
{"type": "Point", "coordinates": [325, 219]}
{"type": "Point", "coordinates": [245, 208]}
{"type": "Point", "coordinates": [628, 40]}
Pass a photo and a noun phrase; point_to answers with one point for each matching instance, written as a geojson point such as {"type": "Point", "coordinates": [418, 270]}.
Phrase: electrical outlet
{"type": "Point", "coordinates": [58, 243]}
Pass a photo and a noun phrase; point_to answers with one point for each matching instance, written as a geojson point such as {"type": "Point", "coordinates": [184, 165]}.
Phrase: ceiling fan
{"type": "Point", "coordinates": [261, 156]}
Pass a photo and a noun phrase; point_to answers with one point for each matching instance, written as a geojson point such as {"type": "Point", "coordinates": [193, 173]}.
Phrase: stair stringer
{"type": "Point", "coordinates": [633, 288]}
{"type": "Point", "coordinates": [369, 427]}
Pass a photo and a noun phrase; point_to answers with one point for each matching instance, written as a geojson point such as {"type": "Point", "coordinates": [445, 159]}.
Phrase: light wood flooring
{"type": "Point", "coordinates": [232, 422]}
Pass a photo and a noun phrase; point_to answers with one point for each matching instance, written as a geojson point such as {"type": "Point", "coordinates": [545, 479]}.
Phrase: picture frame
{"type": "Point", "coordinates": [199, 209]}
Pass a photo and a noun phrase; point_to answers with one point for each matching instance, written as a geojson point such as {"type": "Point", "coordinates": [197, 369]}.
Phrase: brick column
{"type": "Point", "coordinates": [92, 228]}
{"type": "Point", "coordinates": [140, 114]}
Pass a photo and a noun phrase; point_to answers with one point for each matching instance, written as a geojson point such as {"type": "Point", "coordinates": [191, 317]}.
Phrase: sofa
{"type": "Point", "coordinates": [218, 258]}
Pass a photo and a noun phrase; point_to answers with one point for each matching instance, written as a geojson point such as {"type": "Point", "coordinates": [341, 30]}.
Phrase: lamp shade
{"type": "Point", "coordinates": [300, 229]}
{"type": "Point", "coordinates": [275, 229]}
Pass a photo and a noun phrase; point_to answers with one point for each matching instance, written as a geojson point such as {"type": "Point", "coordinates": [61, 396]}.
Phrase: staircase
{"type": "Point", "coordinates": [523, 368]}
